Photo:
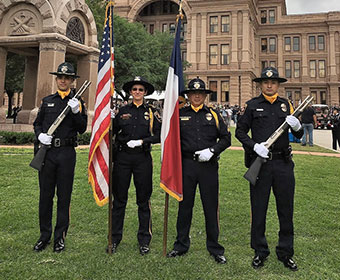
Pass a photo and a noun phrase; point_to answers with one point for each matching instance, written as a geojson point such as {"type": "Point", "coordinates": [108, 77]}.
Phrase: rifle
{"type": "Point", "coordinates": [39, 157]}
{"type": "Point", "coordinates": [254, 169]}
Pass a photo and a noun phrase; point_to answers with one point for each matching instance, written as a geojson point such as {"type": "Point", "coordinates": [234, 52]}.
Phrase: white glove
{"type": "Point", "coordinates": [74, 104]}
{"type": "Point", "coordinates": [261, 150]}
{"type": "Point", "coordinates": [113, 114]}
{"type": "Point", "coordinates": [293, 122]}
{"type": "Point", "coordinates": [134, 143]}
{"type": "Point", "coordinates": [204, 155]}
{"type": "Point", "coordinates": [45, 139]}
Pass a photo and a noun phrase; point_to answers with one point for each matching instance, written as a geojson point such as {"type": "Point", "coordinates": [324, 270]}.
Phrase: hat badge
{"type": "Point", "coordinates": [197, 85]}
{"type": "Point", "coordinates": [269, 73]}
{"type": "Point", "coordinates": [137, 78]}
{"type": "Point", "coordinates": [64, 69]}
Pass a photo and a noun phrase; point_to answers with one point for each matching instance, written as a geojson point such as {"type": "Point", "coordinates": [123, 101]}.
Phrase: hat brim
{"type": "Point", "coordinates": [206, 91]}
{"type": "Point", "coordinates": [280, 80]}
{"type": "Point", "coordinates": [149, 87]}
{"type": "Point", "coordinates": [64, 74]}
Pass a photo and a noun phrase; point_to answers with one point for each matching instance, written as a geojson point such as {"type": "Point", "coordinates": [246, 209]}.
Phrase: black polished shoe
{"type": "Point", "coordinates": [40, 245]}
{"type": "Point", "coordinates": [258, 261]}
{"type": "Point", "coordinates": [144, 249]}
{"type": "Point", "coordinates": [59, 245]}
{"type": "Point", "coordinates": [113, 248]}
{"type": "Point", "coordinates": [220, 259]}
{"type": "Point", "coordinates": [289, 262]}
{"type": "Point", "coordinates": [174, 253]}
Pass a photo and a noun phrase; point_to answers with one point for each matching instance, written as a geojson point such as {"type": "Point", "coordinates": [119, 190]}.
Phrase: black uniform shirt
{"type": "Point", "coordinates": [133, 123]}
{"type": "Point", "coordinates": [307, 115]}
{"type": "Point", "coordinates": [263, 118]}
{"type": "Point", "coordinates": [199, 131]}
{"type": "Point", "coordinates": [51, 108]}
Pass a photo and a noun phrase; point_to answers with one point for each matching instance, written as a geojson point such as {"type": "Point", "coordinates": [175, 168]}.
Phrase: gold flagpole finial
{"type": "Point", "coordinates": [180, 13]}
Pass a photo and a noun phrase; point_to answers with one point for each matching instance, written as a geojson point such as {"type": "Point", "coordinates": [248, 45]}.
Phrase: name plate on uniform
{"type": "Point", "coordinates": [185, 118]}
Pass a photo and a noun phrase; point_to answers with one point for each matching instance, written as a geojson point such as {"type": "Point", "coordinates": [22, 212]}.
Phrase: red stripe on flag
{"type": "Point", "coordinates": [172, 160]}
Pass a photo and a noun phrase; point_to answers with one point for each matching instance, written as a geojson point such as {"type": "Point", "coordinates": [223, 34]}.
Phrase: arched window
{"type": "Point", "coordinates": [75, 30]}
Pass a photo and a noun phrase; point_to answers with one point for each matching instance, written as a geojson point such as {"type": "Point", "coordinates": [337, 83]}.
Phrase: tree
{"type": "Point", "coordinates": [14, 82]}
{"type": "Point", "coordinates": [137, 52]}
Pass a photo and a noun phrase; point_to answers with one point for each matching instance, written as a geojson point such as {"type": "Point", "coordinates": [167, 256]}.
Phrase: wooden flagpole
{"type": "Point", "coordinates": [166, 203]}
{"type": "Point", "coordinates": [110, 6]}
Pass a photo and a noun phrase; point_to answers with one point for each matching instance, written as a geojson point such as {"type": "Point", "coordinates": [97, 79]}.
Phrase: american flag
{"type": "Point", "coordinates": [171, 170]}
{"type": "Point", "coordinates": [98, 167]}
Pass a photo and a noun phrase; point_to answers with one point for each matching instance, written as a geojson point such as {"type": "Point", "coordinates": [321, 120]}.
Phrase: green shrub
{"type": "Point", "coordinates": [84, 139]}
{"type": "Point", "coordinates": [16, 138]}
{"type": "Point", "coordinates": [23, 138]}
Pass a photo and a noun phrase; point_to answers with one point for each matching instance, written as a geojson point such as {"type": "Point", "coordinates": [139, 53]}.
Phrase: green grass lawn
{"type": "Point", "coordinates": [317, 227]}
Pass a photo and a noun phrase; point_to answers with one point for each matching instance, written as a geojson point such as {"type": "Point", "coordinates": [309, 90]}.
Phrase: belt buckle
{"type": "Point", "coordinates": [57, 142]}
{"type": "Point", "coordinates": [270, 156]}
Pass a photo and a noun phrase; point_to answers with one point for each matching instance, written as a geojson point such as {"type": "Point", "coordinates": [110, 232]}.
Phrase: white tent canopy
{"type": "Point", "coordinates": [156, 95]}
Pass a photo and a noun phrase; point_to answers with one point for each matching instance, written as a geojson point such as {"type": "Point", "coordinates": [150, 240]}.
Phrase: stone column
{"type": "Point", "coordinates": [331, 57]}
{"type": "Point", "coordinates": [245, 42]}
{"type": "Point", "coordinates": [246, 89]}
{"type": "Point", "coordinates": [234, 89]}
{"type": "Point", "coordinates": [304, 62]}
{"type": "Point", "coordinates": [3, 58]}
{"type": "Point", "coordinates": [280, 62]}
{"type": "Point", "coordinates": [203, 61]}
{"type": "Point", "coordinates": [29, 91]}
{"type": "Point", "coordinates": [87, 70]}
{"type": "Point", "coordinates": [234, 60]}
{"type": "Point", "coordinates": [51, 55]}
{"type": "Point", "coordinates": [193, 49]}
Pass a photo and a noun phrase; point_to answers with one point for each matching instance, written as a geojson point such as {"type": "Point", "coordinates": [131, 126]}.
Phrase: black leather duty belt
{"type": "Point", "coordinates": [192, 156]}
{"type": "Point", "coordinates": [136, 150]}
{"type": "Point", "coordinates": [276, 155]}
{"type": "Point", "coordinates": [63, 142]}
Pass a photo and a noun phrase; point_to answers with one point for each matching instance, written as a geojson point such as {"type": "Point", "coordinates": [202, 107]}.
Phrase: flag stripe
{"type": "Point", "coordinates": [171, 169]}
{"type": "Point", "coordinates": [98, 167]}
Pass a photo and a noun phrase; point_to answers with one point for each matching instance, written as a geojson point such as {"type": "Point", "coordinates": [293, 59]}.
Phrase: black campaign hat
{"type": "Point", "coordinates": [138, 80]}
{"type": "Point", "coordinates": [196, 85]}
{"type": "Point", "coordinates": [270, 73]}
{"type": "Point", "coordinates": [65, 69]}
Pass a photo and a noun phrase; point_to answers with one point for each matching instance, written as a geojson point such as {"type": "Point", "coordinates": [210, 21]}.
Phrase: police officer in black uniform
{"type": "Point", "coordinates": [263, 115]}
{"type": "Point", "coordinates": [136, 127]}
{"type": "Point", "coordinates": [204, 135]}
{"type": "Point", "coordinates": [60, 160]}
{"type": "Point", "coordinates": [335, 125]}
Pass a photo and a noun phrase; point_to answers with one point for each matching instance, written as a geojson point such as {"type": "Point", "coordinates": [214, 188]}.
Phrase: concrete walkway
{"type": "Point", "coordinates": [335, 154]}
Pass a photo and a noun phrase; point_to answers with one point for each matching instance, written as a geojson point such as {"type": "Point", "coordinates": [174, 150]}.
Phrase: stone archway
{"type": "Point", "coordinates": [47, 32]}
{"type": "Point", "coordinates": [137, 7]}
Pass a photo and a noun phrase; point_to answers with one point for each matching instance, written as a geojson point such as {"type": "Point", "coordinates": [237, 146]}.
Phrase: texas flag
{"type": "Point", "coordinates": [171, 170]}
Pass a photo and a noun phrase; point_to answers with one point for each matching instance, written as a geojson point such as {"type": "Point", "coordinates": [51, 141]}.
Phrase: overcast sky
{"type": "Point", "coordinates": [312, 6]}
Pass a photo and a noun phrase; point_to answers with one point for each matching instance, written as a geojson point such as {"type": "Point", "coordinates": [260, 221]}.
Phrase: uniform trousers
{"type": "Point", "coordinates": [335, 138]}
{"type": "Point", "coordinates": [58, 171]}
{"type": "Point", "coordinates": [279, 175]}
{"type": "Point", "coordinates": [205, 174]}
{"type": "Point", "coordinates": [140, 165]}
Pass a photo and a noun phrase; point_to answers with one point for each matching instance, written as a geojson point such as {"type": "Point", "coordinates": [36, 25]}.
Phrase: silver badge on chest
{"type": "Point", "coordinates": [146, 116]}
{"type": "Point", "coordinates": [284, 107]}
{"type": "Point", "coordinates": [208, 116]}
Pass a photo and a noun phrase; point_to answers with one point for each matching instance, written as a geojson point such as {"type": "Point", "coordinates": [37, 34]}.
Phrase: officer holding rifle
{"type": "Point", "coordinates": [263, 115]}
{"type": "Point", "coordinates": [60, 159]}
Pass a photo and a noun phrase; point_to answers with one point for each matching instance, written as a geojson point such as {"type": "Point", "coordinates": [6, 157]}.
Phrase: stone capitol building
{"type": "Point", "coordinates": [228, 42]}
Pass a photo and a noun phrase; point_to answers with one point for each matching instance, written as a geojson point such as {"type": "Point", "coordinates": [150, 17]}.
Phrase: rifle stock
{"type": "Point", "coordinates": [39, 158]}
{"type": "Point", "coordinates": [254, 170]}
